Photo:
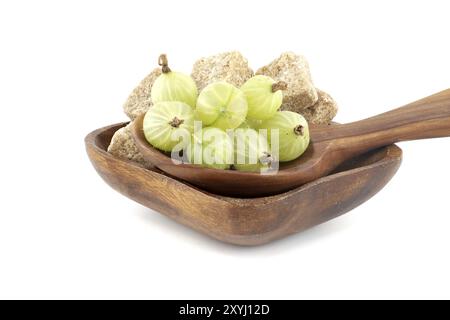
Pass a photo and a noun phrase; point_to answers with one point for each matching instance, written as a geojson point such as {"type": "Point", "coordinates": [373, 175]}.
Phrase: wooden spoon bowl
{"type": "Point", "coordinates": [330, 146]}
{"type": "Point", "coordinates": [246, 221]}
{"type": "Point", "coordinates": [224, 182]}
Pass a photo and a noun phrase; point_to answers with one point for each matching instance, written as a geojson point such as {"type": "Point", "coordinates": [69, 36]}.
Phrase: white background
{"type": "Point", "coordinates": [66, 67]}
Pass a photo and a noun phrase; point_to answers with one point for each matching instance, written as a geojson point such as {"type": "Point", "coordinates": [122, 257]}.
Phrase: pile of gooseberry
{"type": "Point", "coordinates": [224, 127]}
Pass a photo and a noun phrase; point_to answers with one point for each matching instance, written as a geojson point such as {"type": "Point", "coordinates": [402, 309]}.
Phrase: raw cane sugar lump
{"type": "Point", "coordinates": [139, 100]}
{"type": "Point", "coordinates": [230, 67]}
{"type": "Point", "coordinates": [294, 70]}
{"type": "Point", "coordinates": [323, 111]}
{"type": "Point", "coordinates": [123, 146]}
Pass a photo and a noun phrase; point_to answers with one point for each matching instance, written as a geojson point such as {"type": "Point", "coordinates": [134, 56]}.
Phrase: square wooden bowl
{"type": "Point", "coordinates": [243, 221]}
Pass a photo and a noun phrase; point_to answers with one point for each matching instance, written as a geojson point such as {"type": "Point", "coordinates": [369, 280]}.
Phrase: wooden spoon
{"type": "Point", "coordinates": [330, 146]}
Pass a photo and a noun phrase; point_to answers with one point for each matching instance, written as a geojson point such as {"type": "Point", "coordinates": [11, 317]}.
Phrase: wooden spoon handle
{"type": "Point", "coordinates": [423, 119]}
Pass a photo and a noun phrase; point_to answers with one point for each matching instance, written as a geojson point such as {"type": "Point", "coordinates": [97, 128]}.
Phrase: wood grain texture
{"type": "Point", "coordinates": [330, 146]}
{"type": "Point", "coordinates": [246, 221]}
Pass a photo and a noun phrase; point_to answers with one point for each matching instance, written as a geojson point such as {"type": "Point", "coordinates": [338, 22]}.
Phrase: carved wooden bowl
{"type": "Point", "coordinates": [251, 221]}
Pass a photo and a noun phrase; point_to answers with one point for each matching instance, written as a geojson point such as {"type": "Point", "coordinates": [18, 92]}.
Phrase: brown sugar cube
{"type": "Point", "coordinates": [231, 67]}
{"type": "Point", "coordinates": [294, 70]}
{"type": "Point", "coordinates": [122, 145]}
{"type": "Point", "coordinates": [139, 100]}
{"type": "Point", "coordinates": [323, 111]}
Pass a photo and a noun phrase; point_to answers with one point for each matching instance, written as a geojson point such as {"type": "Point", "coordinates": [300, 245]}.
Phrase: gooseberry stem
{"type": "Point", "coordinates": [299, 130]}
{"type": "Point", "coordinates": [280, 85]}
{"type": "Point", "coordinates": [266, 158]}
{"type": "Point", "coordinates": [176, 122]}
{"type": "Point", "coordinates": [164, 63]}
